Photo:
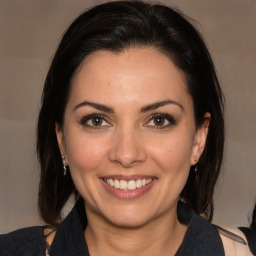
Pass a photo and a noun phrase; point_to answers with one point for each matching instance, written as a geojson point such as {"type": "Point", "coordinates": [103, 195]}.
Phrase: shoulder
{"type": "Point", "coordinates": [232, 246]}
{"type": "Point", "coordinates": [202, 238]}
{"type": "Point", "coordinates": [27, 241]}
{"type": "Point", "coordinates": [208, 237]}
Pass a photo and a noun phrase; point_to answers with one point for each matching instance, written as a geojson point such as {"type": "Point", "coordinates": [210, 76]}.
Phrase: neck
{"type": "Point", "coordinates": [161, 236]}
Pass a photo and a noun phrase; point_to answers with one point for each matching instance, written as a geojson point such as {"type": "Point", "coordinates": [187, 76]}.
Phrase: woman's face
{"type": "Point", "coordinates": [129, 135]}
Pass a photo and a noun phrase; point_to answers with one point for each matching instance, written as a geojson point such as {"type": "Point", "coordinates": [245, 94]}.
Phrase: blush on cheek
{"type": "Point", "coordinates": [85, 156]}
{"type": "Point", "coordinates": [172, 156]}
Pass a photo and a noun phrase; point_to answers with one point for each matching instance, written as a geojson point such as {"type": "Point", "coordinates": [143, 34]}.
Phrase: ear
{"type": "Point", "coordinates": [60, 139]}
{"type": "Point", "coordinates": [200, 139]}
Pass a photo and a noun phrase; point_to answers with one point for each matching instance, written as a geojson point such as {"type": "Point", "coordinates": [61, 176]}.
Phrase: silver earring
{"type": "Point", "coordinates": [196, 170]}
{"type": "Point", "coordinates": [64, 165]}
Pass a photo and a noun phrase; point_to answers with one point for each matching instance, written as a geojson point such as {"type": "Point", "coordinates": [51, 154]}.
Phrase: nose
{"type": "Point", "coordinates": [127, 149]}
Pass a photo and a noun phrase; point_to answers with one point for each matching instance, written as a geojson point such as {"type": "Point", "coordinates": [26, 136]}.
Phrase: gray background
{"type": "Point", "coordinates": [29, 34]}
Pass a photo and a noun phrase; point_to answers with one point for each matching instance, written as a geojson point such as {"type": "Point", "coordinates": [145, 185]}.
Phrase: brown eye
{"type": "Point", "coordinates": [159, 121]}
{"type": "Point", "coordinates": [97, 121]}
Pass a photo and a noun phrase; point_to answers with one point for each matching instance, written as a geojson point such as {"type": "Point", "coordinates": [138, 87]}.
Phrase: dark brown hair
{"type": "Point", "coordinates": [253, 223]}
{"type": "Point", "coordinates": [116, 26]}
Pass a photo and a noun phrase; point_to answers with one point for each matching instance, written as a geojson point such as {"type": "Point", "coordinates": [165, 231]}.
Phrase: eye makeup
{"type": "Point", "coordinates": [161, 121]}
{"type": "Point", "coordinates": [95, 121]}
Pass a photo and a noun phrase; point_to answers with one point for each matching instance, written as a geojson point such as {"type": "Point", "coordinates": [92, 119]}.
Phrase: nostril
{"type": "Point", "coordinates": [127, 151]}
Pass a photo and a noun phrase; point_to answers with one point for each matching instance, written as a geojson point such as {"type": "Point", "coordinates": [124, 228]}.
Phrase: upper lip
{"type": "Point", "coordinates": [127, 177]}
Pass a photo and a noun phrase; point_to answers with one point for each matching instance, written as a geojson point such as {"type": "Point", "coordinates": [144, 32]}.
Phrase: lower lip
{"type": "Point", "coordinates": [128, 194]}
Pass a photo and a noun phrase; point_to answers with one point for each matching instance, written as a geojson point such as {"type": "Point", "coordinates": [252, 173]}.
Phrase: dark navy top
{"type": "Point", "coordinates": [201, 238]}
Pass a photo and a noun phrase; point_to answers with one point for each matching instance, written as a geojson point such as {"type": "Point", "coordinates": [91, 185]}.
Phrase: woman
{"type": "Point", "coordinates": [132, 123]}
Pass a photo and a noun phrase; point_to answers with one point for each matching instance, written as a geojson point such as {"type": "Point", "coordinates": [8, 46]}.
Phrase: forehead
{"type": "Point", "coordinates": [143, 74]}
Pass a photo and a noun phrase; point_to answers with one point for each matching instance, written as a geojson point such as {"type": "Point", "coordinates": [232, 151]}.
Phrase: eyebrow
{"type": "Point", "coordinates": [95, 105]}
{"type": "Point", "coordinates": [160, 104]}
{"type": "Point", "coordinates": [142, 110]}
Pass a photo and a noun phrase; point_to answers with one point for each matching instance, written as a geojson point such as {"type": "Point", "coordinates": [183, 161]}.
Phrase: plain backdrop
{"type": "Point", "coordinates": [29, 33]}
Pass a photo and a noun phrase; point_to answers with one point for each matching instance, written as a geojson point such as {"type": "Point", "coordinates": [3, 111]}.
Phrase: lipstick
{"type": "Point", "coordinates": [128, 187]}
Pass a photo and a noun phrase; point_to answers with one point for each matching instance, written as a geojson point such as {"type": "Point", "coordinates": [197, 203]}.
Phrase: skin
{"type": "Point", "coordinates": [128, 141]}
{"type": "Point", "coordinates": [234, 248]}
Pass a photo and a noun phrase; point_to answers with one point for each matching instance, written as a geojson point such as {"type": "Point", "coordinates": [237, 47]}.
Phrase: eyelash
{"type": "Point", "coordinates": [170, 119]}
{"type": "Point", "coordinates": [166, 117]}
{"type": "Point", "coordinates": [90, 117]}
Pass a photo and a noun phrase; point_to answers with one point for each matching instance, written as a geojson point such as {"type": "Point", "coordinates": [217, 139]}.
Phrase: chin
{"type": "Point", "coordinates": [129, 222]}
{"type": "Point", "coordinates": [128, 218]}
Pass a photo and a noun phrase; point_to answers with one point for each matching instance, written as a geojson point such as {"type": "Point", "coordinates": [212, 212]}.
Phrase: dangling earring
{"type": "Point", "coordinates": [196, 173]}
{"type": "Point", "coordinates": [64, 165]}
{"type": "Point", "coordinates": [196, 170]}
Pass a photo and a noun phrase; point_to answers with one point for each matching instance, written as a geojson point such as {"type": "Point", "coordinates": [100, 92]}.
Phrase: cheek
{"type": "Point", "coordinates": [173, 152]}
{"type": "Point", "coordinates": [85, 153]}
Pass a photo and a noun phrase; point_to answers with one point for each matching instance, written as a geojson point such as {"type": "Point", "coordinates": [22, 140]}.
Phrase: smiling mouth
{"type": "Point", "coordinates": [128, 185]}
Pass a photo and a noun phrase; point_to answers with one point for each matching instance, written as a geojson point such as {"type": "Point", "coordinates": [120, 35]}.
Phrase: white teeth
{"type": "Point", "coordinates": [148, 181]}
{"type": "Point", "coordinates": [111, 183]}
{"type": "Point", "coordinates": [116, 184]}
{"type": "Point", "coordinates": [138, 184]}
{"type": "Point", "coordinates": [130, 185]}
{"type": "Point", "coordinates": [123, 184]}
